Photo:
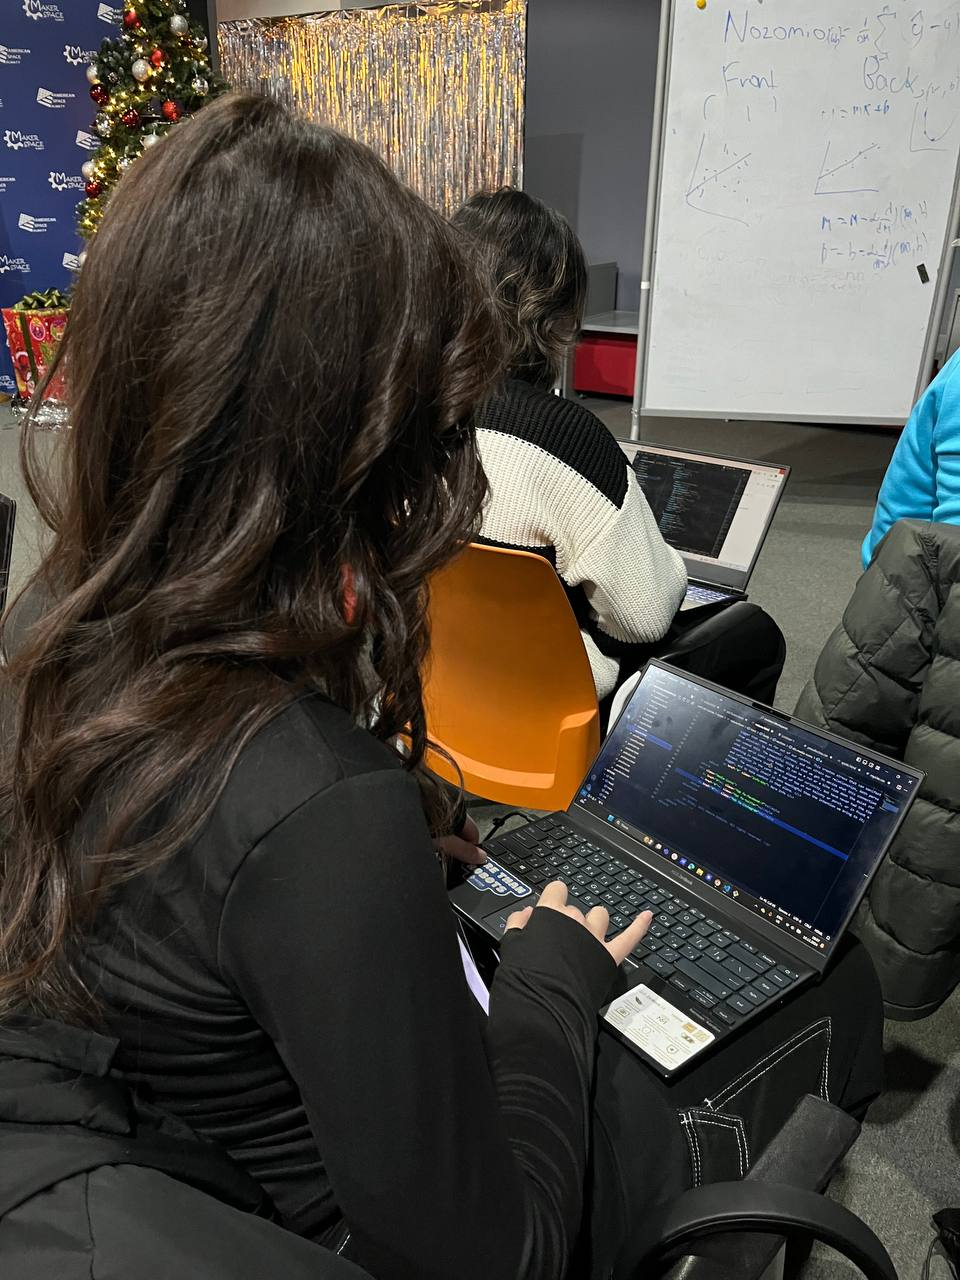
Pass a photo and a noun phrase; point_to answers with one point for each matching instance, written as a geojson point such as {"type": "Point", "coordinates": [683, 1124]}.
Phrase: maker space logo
{"type": "Point", "coordinates": [19, 266]}
{"type": "Point", "coordinates": [77, 57]}
{"type": "Point", "coordinates": [106, 14]}
{"type": "Point", "coordinates": [12, 57]}
{"type": "Point", "coordinates": [36, 226]}
{"type": "Point", "coordinates": [42, 9]}
{"type": "Point", "coordinates": [18, 141]}
{"type": "Point", "coordinates": [55, 101]}
{"type": "Point", "coordinates": [7, 384]}
{"type": "Point", "coordinates": [65, 181]}
{"type": "Point", "coordinates": [87, 141]}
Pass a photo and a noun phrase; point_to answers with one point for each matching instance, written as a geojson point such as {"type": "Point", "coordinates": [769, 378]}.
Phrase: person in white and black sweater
{"type": "Point", "coordinates": [560, 484]}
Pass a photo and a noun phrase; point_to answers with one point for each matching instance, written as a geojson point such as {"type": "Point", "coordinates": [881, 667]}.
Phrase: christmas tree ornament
{"type": "Point", "coordinates": [154, 71]}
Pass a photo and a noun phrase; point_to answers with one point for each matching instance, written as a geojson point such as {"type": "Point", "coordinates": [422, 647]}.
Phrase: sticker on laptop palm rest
{"type": "Point", "coordinates": [492, 878]}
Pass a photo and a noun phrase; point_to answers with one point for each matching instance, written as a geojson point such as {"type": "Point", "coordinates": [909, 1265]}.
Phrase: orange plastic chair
{"type": "Point", "coordinates": [509, 692]}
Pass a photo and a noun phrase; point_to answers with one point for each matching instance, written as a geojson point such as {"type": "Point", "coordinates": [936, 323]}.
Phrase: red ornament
{"type": "Point", "coordinates": [157, 59]}
{"type": "Point", "coordinates": [131, 118]}
{"type": "Point", "coordinates": [131, 20]}
{"type": "Point", "coordinates": [170, 111]}
{"type": "Point", "coordinates": [99, 94]}
{"type": "Point", "coordinates": [93, 188]}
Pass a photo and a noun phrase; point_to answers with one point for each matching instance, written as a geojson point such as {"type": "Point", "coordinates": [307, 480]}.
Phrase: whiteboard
{"type": "Point", "coordinates": [807, 170]}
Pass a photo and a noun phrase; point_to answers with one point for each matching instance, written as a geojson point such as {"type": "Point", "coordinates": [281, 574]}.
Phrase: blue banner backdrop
{"type": "Point", "coordinates": [46, 134]}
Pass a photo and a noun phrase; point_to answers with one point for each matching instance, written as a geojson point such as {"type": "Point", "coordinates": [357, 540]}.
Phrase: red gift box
{"type": "Point", "coordinates": [32, 339]}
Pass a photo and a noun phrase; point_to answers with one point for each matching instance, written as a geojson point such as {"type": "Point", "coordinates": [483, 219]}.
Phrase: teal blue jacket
{"type": "Point", "coordinates": [923, 478]}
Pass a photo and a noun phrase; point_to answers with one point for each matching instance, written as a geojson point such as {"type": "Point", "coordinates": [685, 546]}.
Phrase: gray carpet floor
{"type": "Point", "coordinates": [907, 1162]}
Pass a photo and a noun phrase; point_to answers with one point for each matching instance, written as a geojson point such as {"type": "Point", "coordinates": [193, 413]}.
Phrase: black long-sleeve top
{"type": "Point", "coordinates": [290, 985]}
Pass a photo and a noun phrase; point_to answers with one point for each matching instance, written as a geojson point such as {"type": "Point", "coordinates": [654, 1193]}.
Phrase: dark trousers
{"type": "Point", "coordinates": [653, 1140]}
{"type": "Point", "coordinates": [738, 646]}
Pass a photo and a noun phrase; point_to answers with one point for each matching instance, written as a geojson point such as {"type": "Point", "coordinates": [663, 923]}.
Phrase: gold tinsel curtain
{"type": "Point", "coordinates": [437, 89]}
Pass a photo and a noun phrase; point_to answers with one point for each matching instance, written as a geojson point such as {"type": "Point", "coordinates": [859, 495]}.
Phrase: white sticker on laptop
{"type": "Point", "coordinates": [648, 1021]}
{"type": "Point", "coordinates": [492, 878]}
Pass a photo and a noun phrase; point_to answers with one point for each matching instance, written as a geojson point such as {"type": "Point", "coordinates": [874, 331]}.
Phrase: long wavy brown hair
{"type": "Point", "coordinates": [534, 266]}
{"type": "Point", "coordinates": [273, 358]}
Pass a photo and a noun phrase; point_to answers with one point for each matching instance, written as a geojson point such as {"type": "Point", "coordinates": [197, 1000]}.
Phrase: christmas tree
{"type": "Point", "coordinates": [157, 71]}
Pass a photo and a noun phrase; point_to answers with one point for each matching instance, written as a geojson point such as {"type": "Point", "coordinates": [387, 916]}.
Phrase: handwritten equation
{"type": "Point", "coordinates": [896, 77]}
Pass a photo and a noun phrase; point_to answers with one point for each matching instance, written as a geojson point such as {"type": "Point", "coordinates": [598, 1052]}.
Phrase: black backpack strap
{"type": "Point", "coordinates": [36, 1157]}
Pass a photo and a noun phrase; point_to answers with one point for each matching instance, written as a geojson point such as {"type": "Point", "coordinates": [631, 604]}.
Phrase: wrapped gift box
{"type": "Point", "coordinates": [34, 332]}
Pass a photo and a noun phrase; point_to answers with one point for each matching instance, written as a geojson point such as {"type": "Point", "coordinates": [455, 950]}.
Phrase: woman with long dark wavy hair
{"type": "Point", "coordinates": [218, 832]}
{"type": "Point", "coordinates": [218, 826]}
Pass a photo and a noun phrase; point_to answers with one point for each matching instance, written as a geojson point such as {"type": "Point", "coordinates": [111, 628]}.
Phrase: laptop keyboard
{"type": "Point", "coordinates": [705, 595]}
{"type": "Point", "coordinates": [711, 964]}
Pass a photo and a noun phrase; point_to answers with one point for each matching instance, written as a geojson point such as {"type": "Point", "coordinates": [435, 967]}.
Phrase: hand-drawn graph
{"type": "Point", "coordinates": [707, 182]}
{"type": "Point", "coordinates": [848, 177]}
{"type": "Point", "coordinates": [924, 133]}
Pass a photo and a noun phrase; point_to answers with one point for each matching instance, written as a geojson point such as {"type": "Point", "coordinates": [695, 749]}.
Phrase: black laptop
{"type": "Point", "coordinates": [716, 511]}
{"type": "Point", "coordinates": [750, 835]}
{"type": "Point", "coordinates": [8, 516]}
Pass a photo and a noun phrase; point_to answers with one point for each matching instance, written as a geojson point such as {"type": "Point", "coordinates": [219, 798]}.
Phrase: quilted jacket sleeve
{"type": "Point", "coordinates": [889, 677]}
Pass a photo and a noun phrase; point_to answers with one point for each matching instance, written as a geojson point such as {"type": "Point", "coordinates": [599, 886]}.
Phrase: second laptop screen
{"type": "Point", "coordinates": [708, 509]}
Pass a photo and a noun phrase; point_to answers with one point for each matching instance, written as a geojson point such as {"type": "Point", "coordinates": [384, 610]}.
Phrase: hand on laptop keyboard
{"type": "Point", "coordinates": [596, 920]}
{"type": "Point", "coordinates": [687, 948]}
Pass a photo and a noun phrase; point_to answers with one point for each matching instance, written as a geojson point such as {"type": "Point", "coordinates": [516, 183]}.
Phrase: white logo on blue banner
{"type": "Point", "coordinates": [5, 183]}
{"type": "Point", "coordinates": [65, 181]}
{"type": "Point", "coordinates": [42, 9]}
{"type": "Point", "coordinates": [36, 226]}
{"type": "Point", "coordinates": [107, 14]}
{"type": "Point", "coordinates": [12, 57]}
{"type": "Point", "coordinates": [55, 101]}
{"type": "Point", "coordinates": [88, 141]}
{"type": "Point", "coordinates": [71, 261]}
{"type": "Point", "coordinates": [16, 140]}
{"type": "Point", "coordinates": [77, 57]}
{"type": "Point", "coordinates": [19, 265]}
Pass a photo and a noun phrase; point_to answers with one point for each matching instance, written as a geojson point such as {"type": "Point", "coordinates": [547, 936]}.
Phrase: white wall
{"type": "Point", "coordinates": [591, 75]}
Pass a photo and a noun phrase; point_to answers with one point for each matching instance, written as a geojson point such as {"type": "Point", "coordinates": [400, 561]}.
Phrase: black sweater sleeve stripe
{"type": "Point", "coordinates": [564, 429]}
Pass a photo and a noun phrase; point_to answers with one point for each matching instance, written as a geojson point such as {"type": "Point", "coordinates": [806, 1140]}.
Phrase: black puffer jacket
{"type": "Point", "coordinates": [889, 677]}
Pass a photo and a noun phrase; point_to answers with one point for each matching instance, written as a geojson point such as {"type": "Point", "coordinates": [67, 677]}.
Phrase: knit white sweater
{"type": "Point", "coordinates": [561, 486]}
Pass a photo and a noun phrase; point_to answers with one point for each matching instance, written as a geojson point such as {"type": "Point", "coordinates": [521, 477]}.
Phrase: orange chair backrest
{"type": "Point", "coordinates": [509, 690]}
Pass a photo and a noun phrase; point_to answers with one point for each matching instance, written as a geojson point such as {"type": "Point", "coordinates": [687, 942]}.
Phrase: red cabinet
{"type": "Point", "coordinates": [605, 364]}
